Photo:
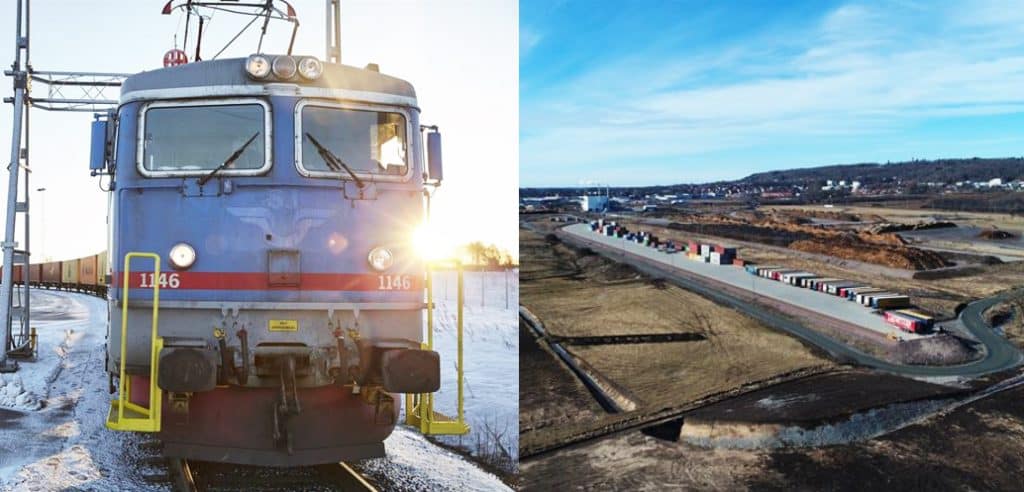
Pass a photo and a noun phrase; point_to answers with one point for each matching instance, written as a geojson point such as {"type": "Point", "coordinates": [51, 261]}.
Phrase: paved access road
{"type": "Point", "coordinates": [999, 353]}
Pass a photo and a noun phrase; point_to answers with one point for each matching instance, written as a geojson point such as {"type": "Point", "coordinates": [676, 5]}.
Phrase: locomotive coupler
{"type": "Point", "coordinates": [287, 407]}
{"type": "Point", "coordinates": [349, 360]}
{"type": "Point", "coordinates": [383, 404]}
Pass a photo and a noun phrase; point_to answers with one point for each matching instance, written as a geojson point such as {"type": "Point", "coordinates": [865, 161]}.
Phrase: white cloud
{"type": "Point", "coordinates": [528, 39]}
{"type": "Point", "coordinates": [858, 71]}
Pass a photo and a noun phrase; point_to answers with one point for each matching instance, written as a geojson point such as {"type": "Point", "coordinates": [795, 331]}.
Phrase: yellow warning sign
{"type": "Point", "coordinates": [284, 325]}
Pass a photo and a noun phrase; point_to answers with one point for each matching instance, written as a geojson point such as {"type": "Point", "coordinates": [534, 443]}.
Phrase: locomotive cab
{"type": "Point", "coordinates": [276, 197]}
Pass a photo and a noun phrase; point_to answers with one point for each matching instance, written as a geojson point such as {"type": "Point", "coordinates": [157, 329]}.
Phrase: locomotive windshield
{"type": "Point", "coordinates": [197, 139]}
{"type": "Point", "coordinates": [368, 142]}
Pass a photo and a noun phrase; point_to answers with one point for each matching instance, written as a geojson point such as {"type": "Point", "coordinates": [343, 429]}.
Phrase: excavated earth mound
{"type": "Point", "coordinates": [940, 350]}
{"type": "Point", "coordinates": [852, 248]}
{"type": "Point", "coordinates": [888, 227]}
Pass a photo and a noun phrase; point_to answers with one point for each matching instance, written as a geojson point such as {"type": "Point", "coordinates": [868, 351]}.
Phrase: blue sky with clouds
{"type": "Point", "coordinates": [679, 91]}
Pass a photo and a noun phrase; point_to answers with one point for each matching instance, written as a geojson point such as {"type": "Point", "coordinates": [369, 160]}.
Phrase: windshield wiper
{"type": "Point", "coordinates": [227, 162]}
{"type": "Point", "coordinates": [334, 162]}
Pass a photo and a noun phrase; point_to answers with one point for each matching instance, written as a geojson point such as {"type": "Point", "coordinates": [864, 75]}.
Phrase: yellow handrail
{"type": "Point", "coordinates": [419, 409]}
{"type": "Point", "coordinates": [142, 419]}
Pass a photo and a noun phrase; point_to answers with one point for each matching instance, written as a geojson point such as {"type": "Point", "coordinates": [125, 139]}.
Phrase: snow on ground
{"type": "Point", "coordinates": [53, 316]}
{"type": "Point", "coordinates": [490, 354]}
{"type": "Point", "coordinates": [410, 454]}
{"type": "Point", "coordinates": [62, 442]}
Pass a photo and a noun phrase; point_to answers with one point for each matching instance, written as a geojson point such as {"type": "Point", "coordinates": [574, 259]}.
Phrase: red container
{"type": "Point", "coordinates": [35, 272]}
{"type": "Point", "coordinates": [904, 323]}
{"type": "Point", "coordinates": [51, 272]}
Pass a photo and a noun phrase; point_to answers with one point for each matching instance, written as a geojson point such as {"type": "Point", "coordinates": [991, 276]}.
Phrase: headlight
{"type": "Point", "coordinates": [257, 66]}
{"type": "Point", "coordinates": [182, 256]}
{"type": "Point", "coordinates": [284, 67]}
{"type": "Point", "coordinates": [310, 68]}
{"type": "Point", "coordinates": [381, 258]}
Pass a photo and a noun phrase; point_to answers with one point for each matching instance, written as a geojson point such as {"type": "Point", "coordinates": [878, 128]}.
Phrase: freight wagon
{"type": "Point", "coordinates": [51, 274]}
{"type": "Point", "coordinates": [69, 272]}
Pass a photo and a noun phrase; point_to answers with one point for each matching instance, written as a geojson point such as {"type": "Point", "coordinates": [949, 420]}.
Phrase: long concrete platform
{"type": "Point", "coordinates": [819, 302]}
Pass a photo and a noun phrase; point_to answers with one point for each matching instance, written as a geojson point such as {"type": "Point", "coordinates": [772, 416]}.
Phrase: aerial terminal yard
{"type": "Point", "coordinates": [824, 349]}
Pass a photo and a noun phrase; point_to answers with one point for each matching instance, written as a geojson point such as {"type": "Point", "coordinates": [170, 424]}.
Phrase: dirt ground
{"type": "Point", "coordinates": [547, 396]}
{"type": "Point", "coordinates": [905, 215]}
{"type": "Point", "coordinates": [822, 398]}
{"type": "Point", "coordinates": [976, 447]}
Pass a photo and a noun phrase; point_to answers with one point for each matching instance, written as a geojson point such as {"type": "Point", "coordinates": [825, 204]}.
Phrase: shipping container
{"type": "Point", "coordinates": [69, 272]}
{"type": "Point", "coordinates": [16, 274]}
{"type": "Point", "coordinates": [917, 314]}
{"type": "Point", "coordinates": [87, 270]}
{"type": "Point", "coordinates": [817, 284]}
{"type": "Point", "coordinates": [102, 269]}
{"type": "Point", "coordinates": [724, 250]}
{"type": "Point", "coordinates": [904, 322]}
{"type": "Point", "coordinates": [835, 288]}
{"type": "Point", "coordinates": [35, 273]}
{"type": "Point", "coordinates": [852, 294]}
{"type": "Point", "coordinates": [867, 298]}
{"type": "Point", "coordinates": [926, 321]}
{"type": "Point", "coordinates": [777, 275]}
{"type": "Point", "coordinates": [793, 278]}
{"type": "Point", "coordinates": [893, 302]}
{"type": "Point", "coordinates": [51, 273]}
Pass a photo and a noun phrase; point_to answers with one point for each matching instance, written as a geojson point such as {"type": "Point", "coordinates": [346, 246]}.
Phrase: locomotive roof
{"type": "Point", "coordinates": [231, 72]}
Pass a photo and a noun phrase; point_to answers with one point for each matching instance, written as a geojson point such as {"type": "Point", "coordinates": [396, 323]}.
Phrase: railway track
{"type": "Point", "coordinates": [192, 476]}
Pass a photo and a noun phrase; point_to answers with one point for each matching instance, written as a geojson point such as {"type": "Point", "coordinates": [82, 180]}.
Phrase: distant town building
{"type": "Point", "coordinates": [594, 203]}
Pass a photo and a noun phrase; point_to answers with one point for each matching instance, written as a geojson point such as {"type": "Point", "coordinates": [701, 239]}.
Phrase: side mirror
{"type": "Point", "coordinates": [98, 152]}
{"type": "Point", "coordinates": [434, 156]}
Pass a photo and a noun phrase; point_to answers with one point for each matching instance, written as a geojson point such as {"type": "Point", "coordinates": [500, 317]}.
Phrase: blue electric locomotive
{"type": "Point", "coordinates": [262, 272]}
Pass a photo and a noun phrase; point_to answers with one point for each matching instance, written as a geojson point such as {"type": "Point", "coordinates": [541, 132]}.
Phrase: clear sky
{"type": "Point", "coordinates": [693, 91]}
{"type": "Point", "coordinates": [459, 54]}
